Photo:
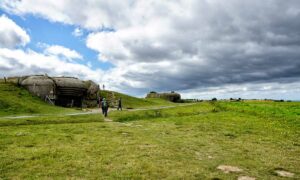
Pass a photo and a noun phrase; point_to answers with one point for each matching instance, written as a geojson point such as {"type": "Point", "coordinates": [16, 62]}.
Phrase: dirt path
{"type": "Point", "coordinates": [92, 111]}
{"type": "Point", "coordinates": [45, 115]}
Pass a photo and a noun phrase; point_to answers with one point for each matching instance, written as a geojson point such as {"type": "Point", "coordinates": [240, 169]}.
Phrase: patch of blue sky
{"type": "Point", "coordinates": [54, 33]}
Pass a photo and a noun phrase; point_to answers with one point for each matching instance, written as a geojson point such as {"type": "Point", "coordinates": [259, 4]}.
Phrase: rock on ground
{"type": "Point", "coordinates": [229, 169]}
{"type": "Point", "coordinates": [284, 173]}
{"type": "Point", "coordinates": [246, 178]}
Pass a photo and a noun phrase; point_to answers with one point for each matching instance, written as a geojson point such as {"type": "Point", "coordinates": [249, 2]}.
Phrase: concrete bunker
{"type": "Point", "coordinates": [172, 96]}
{"type": "Point", "coordinates": [61, 91]}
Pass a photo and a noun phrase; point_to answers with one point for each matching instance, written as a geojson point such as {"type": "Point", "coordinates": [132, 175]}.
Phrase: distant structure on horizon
{"type": "Point", "coordinates": [172, 96]}
{"type": "Point", "coordinates": [61, 91]}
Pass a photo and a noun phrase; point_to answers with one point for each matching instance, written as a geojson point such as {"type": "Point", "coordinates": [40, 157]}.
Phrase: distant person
{"type": "Point", "coordinates": [99, 102]}
{"type": "Point", "coordinates": [104, 105]}
{"type": "Point", "coordinates": [120, 104]}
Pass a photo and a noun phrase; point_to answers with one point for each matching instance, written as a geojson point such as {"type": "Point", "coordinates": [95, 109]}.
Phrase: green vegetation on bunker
{"type": "Point", "coordinates": [185, 142]}
{"type": "Point", "coordinates": [15, 100]}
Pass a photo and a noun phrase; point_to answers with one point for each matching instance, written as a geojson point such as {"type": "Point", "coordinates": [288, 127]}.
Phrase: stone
{"type": "Point", "coordinates": [246, 178]}
{"type": "Point", "coordinates": [229, 169]}
{"type": "Point", "coordinates": [283, 173]}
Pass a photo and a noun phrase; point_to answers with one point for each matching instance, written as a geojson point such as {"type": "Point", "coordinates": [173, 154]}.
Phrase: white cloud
{"type": "Point", "coordinates": [19, 62]}
{"type": "Point", "coordinates": [89, 14]}
{"type": "Point", "coordinates": [109, 44]}
{"type": "Point", "coordinates": [274, 90]}
{"type": "Point", "coordinates": [95, 14]}
{"type": "Point", "coordinates": [12, 35]}
{"type": "Point", "coordinates": [77, 32]}
{"type": "Point", "coordinates": [63, 52]}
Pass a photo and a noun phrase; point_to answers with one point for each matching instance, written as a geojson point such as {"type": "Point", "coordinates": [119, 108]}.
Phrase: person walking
{"type": "Point", "coordinates": [120, 104]}
{"type": "Point", "coordinates": [99, 101]}
{"type": "Point", "coordinates": [104, 105]}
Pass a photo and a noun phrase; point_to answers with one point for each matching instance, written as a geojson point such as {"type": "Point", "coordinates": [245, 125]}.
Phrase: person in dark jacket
{"type": "Point", "coordinates": [120, 104]}
{"type": "Point", "coordinates": [99, 101]}
{"type": "Point", "coordinates": [104, 105]}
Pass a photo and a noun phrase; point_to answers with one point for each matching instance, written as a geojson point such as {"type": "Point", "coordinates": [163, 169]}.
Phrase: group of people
{"type": "Point", "coordinates": [103, 103]}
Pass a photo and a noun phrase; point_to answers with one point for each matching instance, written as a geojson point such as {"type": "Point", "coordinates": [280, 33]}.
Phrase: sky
{"type": "Point", "coordinates": [199, 48]}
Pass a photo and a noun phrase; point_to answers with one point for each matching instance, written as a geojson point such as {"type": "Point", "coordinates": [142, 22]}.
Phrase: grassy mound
{"type": "Point", "coordinates": [16, 100]}
{"type": "Point", "coordinates": [133, 102]}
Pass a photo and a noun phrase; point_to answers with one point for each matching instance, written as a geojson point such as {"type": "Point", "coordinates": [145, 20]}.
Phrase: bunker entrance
{"type": "Point", "coordinates": [69, 101]}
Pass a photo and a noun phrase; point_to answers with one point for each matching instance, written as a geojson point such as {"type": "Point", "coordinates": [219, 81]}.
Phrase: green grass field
{"type": "Point", "coordinates": [182, 142]}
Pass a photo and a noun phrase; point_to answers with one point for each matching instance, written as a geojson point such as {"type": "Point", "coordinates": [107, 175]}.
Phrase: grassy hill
{"type": "Point", "coordinates": [133, 102]}
{"type": "Point", "coordinates": [15, 100]}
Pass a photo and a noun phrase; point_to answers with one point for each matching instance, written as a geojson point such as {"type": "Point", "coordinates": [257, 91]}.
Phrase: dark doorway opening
{"type": "Point", "coordinates": [69, 101]}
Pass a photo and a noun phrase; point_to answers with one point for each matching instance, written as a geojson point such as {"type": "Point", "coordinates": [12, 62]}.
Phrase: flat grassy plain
{"type": "Point", "coordinates": [184, 142]}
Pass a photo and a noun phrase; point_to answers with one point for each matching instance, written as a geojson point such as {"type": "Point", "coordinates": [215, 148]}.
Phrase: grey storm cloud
{"type": "Point", "coordinates": [226, 43]}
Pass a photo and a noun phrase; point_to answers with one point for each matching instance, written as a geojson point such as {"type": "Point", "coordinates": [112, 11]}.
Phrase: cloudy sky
{"type": "Point", "coordinates": [200, 48]}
